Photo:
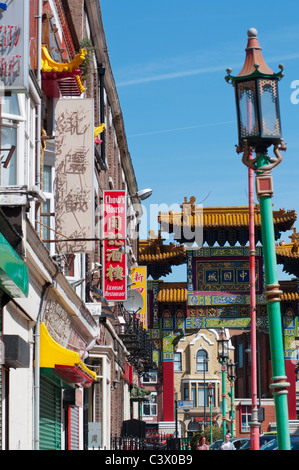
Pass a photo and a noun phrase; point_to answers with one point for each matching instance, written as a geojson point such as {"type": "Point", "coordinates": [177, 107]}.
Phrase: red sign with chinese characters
{"type": "Point", "coordinates": [115, 230]}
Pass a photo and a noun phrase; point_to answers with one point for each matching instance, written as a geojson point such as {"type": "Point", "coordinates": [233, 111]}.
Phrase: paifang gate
{"type": "Point", "coordinates": [216, 293]}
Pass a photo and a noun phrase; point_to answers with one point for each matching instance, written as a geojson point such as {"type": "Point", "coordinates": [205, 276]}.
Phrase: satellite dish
{"type": "Point", "coordinates": [134, 301]}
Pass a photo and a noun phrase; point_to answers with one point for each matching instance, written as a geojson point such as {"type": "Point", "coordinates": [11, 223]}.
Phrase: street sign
{"type": "Point", "coordinates": [187, 405]}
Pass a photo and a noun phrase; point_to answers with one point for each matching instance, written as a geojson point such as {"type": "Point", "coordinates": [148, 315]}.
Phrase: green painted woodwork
{"type": "Point", "coordinates": [50, 416]}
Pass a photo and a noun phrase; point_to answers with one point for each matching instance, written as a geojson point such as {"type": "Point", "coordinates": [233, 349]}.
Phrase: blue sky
{"type": "Point", "coordinates": [169, 60]}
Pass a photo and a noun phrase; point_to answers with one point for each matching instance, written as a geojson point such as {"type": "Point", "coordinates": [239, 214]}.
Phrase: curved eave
{"type": "Point", "coordinates": [50, 65]}
{"type": "Point", "coordinates": [224, 217]}
{"type": "Point", "coordinates": [66, 363]}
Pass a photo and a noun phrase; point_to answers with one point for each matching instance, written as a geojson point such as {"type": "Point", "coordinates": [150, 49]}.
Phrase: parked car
{"type": "Point", "coordinates": [273, 445]}
{"type": "Point", "coordinates": [237, 441]}
{"type": "Point", "coordinates": [263, 440]}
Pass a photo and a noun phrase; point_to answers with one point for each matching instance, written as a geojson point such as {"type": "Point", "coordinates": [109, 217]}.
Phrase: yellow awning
{"type": "Point", "coordinates": [65, 361]}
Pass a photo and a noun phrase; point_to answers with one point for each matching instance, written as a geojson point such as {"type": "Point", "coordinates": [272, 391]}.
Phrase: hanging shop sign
{"type": "Point", "coordinates": [74, 175]}
{"type": "Point", "coordinates": [115, 231]}
{"type": "Point", "coordinates": [14, 46]}
{"type": "Point", "coordinates": [139, 278]}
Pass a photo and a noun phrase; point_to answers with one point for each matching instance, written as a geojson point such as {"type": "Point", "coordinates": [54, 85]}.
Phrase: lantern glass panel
{"type": "Point", "coordinates": [231, 370]}
{"type": "Point", "coordinates": [268, 95]}
{"type": "Point", "coordinates": [247, 106]}
{"type": "Point", "coordinates": [222, 349]}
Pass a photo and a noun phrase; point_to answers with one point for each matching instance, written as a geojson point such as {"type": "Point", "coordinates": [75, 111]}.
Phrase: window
{"type": "Point", "coordinates": [177, 361]}
{"type": "Point", "coordinates": [245, 418]}
{"type": "Point", "coordinates": [193, 394]}
{"type": "Point", "coordinates": [18, 116]}
{"type": "Point", "coordinates": [199, 393]}
{"type": "Point", "coordinates": [240, 355]}
{"type": "Point", "coordinates": [150, 377]}
{"type": "Point", "coordinates": [11, 118]}
{"type": "Point", "coordinates": [48, 206]}
{"type": "Point", "coordinates": [150, 407]}
{"type": "Point", "coordinates": [202, 395]}
{"type": "Point", "coordinates": [201, 361]}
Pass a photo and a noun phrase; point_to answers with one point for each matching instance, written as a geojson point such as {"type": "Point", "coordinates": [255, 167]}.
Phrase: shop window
{"type": "Point", "coordinates": [245, 418]}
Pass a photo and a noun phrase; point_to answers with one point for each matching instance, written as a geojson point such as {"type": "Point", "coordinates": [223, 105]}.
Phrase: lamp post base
{"type": "Point", "coordinates": [255, 427]}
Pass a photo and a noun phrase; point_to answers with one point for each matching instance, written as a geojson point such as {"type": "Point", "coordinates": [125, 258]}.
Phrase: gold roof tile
{"type": "Point", "coordinates": [220, 216]}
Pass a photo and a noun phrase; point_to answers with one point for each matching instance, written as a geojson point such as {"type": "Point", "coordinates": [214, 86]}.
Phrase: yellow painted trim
{"type": "Point", "coordinates": [49, 65]}
{"type": "Point", "coordinates": [98, 130]}
{"type": "Point", "coordinates": [52, 354]}
{"type": "Point", "coordinates": [81, 87]}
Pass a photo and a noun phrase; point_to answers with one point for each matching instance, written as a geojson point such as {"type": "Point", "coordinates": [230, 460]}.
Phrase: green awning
{"type": "Point", "coordinates": [14, 278]}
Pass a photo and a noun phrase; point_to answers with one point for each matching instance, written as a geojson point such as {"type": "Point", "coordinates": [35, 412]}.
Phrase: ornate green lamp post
{"type": "Point", "coordinates": [231, 373]}
{"type": "Point", "coordinates": [222, 358]}
{"type": "Point", "coordinates": [259, 127]}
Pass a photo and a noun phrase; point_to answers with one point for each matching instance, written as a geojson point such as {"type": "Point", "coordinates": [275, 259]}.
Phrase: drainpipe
{"type": "Point", "coordinates": [39, 109]}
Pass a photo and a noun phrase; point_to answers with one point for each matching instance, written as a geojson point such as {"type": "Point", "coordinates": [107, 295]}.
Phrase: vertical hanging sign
{"type": "Point", "coordinates": [14, 46]}
{"type": "Point", "coordinates": [74, 175]}
{"type": "Point", "coordinates": [139, 278]}
{"type": "Point", "coordinates": [114, 232]}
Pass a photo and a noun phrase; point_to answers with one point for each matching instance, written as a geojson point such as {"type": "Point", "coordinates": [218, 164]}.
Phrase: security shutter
{"type": "Point", "coordinates": [73, 428]}
{"type": "Point", "coordinates": [50, 416]}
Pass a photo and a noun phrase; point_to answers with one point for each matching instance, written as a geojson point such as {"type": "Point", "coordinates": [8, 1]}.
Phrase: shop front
{"type": "Point", "coordinates": [14, 282]}
{"type": "Point", "coordinates": [63, 376]}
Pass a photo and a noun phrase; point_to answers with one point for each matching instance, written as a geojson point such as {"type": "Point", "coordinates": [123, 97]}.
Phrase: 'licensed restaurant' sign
{"type": "Point", "coordinates": [115, 228]}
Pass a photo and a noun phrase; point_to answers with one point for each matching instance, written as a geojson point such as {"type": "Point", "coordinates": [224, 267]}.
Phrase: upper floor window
{"type": "Point", "coordinates": [150, 406]}
{"type": "Point", "coordinates": [201, 361]}
{"type": "Point", "coordinates": [177, 361]}
{"type": "Point", "coordinates": [11, 118]}
{"type": "Point", "coordinates": [150, 377]}
{"type": "Point", "coordinates": [240, 355]}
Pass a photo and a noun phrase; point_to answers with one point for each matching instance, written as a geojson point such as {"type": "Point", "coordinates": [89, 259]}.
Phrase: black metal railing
{"type": "Point", "coordinates": [136, 340]}
{"type": "Point", "coordinates": [158, 443]}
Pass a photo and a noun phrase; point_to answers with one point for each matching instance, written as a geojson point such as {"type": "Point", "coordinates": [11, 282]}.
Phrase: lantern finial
{"type": "Point", "coordinates": [254, 56]}
{"type": "Point", "coordinates": [252, 32]}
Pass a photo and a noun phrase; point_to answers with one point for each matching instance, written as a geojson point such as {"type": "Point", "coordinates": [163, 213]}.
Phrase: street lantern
{"type": "Point", "coordinates": [210, 392]}
{"type": "Point", "coordinates": [222, 358]}
{"type": "Point", "coordinates": [256, 93]}
{"type": "Point", "coordinates": [231, 371]}
{"type": "Point", "coordinates": [231, 374]}
{"type": "Point", "coordinates": [222, 347]}
{"type": "Point", "coordinates": [259, 127]}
